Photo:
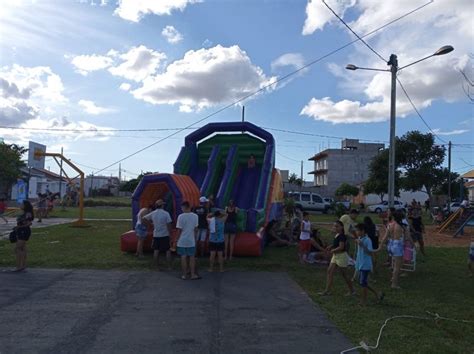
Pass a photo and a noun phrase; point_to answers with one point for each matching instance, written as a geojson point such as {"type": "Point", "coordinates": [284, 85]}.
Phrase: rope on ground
{"type": "Point", "coordinates": [433, 317]}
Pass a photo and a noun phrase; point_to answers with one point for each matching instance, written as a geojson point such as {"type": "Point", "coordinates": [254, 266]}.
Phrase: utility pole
{"type": "Point", "coordinates": [301, 174]}
{"type": "Point", "coordinates": [120, 173]}
{"type": "Point", "coordinates": [61, 176]}
{"type": "Point", "coordinates": [449, 176]}
{"type": "Point", "coordinates": [393, 62]}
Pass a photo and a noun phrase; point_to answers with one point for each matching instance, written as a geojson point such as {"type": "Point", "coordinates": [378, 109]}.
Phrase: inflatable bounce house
{"type": "Point", "coordinates": [214, 162]}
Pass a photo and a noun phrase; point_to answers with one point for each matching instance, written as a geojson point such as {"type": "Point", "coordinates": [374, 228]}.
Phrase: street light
{"type": "Point", "coordinates": [393, 62]}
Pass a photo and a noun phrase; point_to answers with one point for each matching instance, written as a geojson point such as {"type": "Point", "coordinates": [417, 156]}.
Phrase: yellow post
{"type": "Point", "coordinates": [80, 222]}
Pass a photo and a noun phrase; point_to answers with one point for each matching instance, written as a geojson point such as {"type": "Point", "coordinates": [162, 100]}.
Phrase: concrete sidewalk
{"type": "Point", "coordinates": [85, 311]}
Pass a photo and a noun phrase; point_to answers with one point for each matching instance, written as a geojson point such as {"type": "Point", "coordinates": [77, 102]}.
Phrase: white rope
{"type": "Point", "coordinates": [434, 317]}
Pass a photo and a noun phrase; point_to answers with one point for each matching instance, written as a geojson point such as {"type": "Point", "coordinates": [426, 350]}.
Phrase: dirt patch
{"type": "Point", "coordinates": [435, 239]}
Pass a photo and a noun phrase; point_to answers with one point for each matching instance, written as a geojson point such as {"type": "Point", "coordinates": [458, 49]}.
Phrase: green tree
{"type": "Point", "coordinates": [377, 182]}
{"type": "Point", "coordinates": [294, 179]}
{"type": "Point", "coordinates": [10, 157]}
{"type": "Point", "coordinates": [132, 184]}
{"type": "Point", "coordinates": [346, 189]}
{"type": "Point", "coordinates": [421, 160]}
{"type": "Point", "coordinates": [442, 185]}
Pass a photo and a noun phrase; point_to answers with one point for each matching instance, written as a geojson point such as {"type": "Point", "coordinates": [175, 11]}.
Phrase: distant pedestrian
{"type": "Point", "coordinates": [187, 225]}
{"type": "Point", "coordinates": [42, 206]}
{"type": "Point", "coordinates": [305, 238]}
{"type": "Point", "coordinates": [230, 229]}
{"type": "Point", "coordinates": [427, 205]}
{"type": "Point", "coordinates": [364, 263]}
{"type": "Point", "coordinates": [216, 239]}
{"type": "Point", "coordinates": [161, 221]}
{"type": "Point", "coordinates": [3, 208]}
{"type": "Point", "coordinates": [141, 229]}
{"type": "Point", "coordinates": [417, 229]}
{"type": "Point", "coordinates": [202, 211]}
{"type": "Point", "coordinates": [23, 233]}
{"type": "Point", "coordinates": [339, 259]}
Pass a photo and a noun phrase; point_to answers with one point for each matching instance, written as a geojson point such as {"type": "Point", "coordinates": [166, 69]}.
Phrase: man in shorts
{"type": "Point", "coordinates": [187, 225]}
{"type": "Point", "coordinates": [161, 221]}
{"type": "Point", "coordinates": [202, 210]}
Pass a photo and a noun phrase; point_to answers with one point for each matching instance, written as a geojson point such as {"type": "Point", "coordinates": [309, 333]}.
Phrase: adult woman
{"type": "Point", "coordinates": [339, 259]}
{"type": "Point", "coordinates": [230, 229]}
{"type": "Point", "coordinates": [397, 235]}
{"type": "Point", "coordinates": [23, 233]}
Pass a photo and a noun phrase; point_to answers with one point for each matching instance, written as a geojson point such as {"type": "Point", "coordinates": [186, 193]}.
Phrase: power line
{"type": "Point", "coordinates": [418, 113]}
{"type": "Point", "coordinates": [355, 34]}
{"type": "Point", "coordinates": [288, 158]}
{"type": "Point", "coordinates": [92, 130]}
{"type": "Point", "coordinates": [260, 90]}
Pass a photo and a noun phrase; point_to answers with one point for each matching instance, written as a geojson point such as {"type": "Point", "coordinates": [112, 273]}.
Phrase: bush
{"type": "Point", "coordinates": [339, 209]}
{"type": "Point", "coordinates": [91, 202]}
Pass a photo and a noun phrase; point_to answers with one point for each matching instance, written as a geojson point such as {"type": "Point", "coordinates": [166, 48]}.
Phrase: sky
{"type": "Point", "coordinates": [104, 65]}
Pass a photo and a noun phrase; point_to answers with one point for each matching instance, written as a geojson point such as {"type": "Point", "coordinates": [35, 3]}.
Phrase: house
{"type": "Point", "coordinates": [97, 183]}
{"type": "Point", "coordinates": [469, 185]}
{"type": "Point", "coordinates": [349, 164]}
{"type": "Point", "coordinates": [38, 180]}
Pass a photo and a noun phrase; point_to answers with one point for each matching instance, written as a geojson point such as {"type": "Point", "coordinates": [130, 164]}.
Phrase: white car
{"type": "Point", "coordinates": [383, 207]}
{"type": "Point", "coordinates": [308, 201]}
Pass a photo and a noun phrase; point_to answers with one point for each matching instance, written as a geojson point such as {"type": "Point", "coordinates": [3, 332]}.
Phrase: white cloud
{"type": "Point", "coordinates": [412, 38]}
{"type": "Point", "coordinates": [207, 43]}
{"type": "Point", "coordinates": [91, 108]}
{"type": "Point", "coordinates": [171, 34]}
{"type": "Point", "coordinates": [451, 132]}
{"type": "Point", "coordinates": [25, 91]}
{"type": "Point", "coordinates": [318, 15]}
{"type": "Point", "coordinates": [296, 60]}
{"type": "Point", "coordinates": [134, 10]}
{"type": "Point", "coordinates": [125, 86]}
{"type": "Point", "coordinates": [204, 78]}
{"type": "Point", "coordinates": [138, 63]}
{"type": "Point", "coordinates": [86, 63]}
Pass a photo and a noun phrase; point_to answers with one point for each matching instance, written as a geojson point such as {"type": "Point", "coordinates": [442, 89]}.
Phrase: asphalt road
{"type": "Point", "coordinates": [90, 311]}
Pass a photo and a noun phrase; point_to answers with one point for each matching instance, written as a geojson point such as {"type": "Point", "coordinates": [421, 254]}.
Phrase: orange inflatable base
{"type": "Point", "coordinates": [246, 243]}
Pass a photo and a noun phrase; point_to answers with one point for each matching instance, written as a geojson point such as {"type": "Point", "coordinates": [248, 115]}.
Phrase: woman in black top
{"type": "Point", "coordinates": [230, 229]}
{"type": "Point", "coordinates": [23, 233]}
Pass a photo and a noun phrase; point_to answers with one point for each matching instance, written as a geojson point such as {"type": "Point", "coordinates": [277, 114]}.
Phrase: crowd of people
{"type": "Point", "coordinates": [196, 227]}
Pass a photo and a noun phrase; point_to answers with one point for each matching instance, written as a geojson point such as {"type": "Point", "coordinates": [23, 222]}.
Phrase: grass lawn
{"type": "Point", "coordinates": [94, 212]}
{"type": "Point", "coordinates": [439, 285]}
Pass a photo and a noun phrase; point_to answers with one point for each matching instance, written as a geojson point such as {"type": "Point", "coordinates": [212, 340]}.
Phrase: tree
{"type": "Point", "coordinates": [346, 189]}
{"type": "Point", "coordinates": [377, 182]}
{"type": "Point", "coordinates": [132, 184]}
{"type": "Point", "coordinates": [442, 187]}
{"type": "Point", "coordinates": [10, 157]}
{"type": "Point", "coordinates": [421, 159]}
{"type": "Point", "coordinates": [294, 179]}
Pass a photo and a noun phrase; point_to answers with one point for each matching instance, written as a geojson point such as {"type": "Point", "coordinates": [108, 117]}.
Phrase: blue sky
{"type": "Point", "coordinates": [166, 64]}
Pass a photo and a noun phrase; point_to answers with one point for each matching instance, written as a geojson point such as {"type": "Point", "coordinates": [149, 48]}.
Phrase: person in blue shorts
{"type": "Point", "coordinates": [141, 230]}
{"type": "Point", "coordinates": [216, 239]}
{"type": "Point", "coordinates": [187, 225]}
{"type": "Point", "coordinates": [364, 262]}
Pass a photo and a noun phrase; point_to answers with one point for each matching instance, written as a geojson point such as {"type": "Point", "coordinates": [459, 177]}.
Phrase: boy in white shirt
{"type": "Point", "coordinates": [187, 225]}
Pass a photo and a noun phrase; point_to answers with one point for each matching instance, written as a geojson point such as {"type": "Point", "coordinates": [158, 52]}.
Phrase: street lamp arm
{"type": "Point", "coordinates": [415, 62]}
{"type": "Point", "coordinates": [354, 67]}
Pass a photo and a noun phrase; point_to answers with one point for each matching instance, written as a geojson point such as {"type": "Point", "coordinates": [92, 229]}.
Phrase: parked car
{"type": "Point", "coordinates": [383, 207]}
{"type": "Point", "coordinates": [454, 207]}
{"type": "Point", "coordinates": [308, 201]}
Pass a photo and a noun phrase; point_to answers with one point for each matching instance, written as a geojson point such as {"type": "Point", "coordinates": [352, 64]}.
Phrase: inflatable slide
{"type": "Point", "coordinates": [214, 161]}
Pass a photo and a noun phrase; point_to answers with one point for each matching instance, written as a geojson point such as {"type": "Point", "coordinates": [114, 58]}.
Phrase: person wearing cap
{"type": "Point", "coordinates": [161, 221]}
{"type": "Point", "coordinates": [202, 210]}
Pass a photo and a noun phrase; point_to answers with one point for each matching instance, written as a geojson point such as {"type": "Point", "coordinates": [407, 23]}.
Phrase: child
{"type": "Point", "coordinates": [141, 230]}
{"type": "Point", "coordinates": [471, 257]}
{"type": "Point", "coordinates": [339, 259]}
{"type": "Point", "coordinates": [364, 262]}
{"type": "Point", "coordinates": [216, 239]}
{"type": "Point", "coordinates": [305, 236]}
{"type": "Point", "coordinates": [187, 226]}
{"type": "Point", "coordinates": [3, 207]}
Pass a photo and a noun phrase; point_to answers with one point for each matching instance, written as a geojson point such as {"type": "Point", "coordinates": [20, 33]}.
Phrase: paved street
{"type": "Point", "coordinates": [85, 311]}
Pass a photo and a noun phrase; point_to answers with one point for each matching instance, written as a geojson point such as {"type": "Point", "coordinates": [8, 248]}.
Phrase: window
{"type": "Point", "coordinates": [317, 198]}
{"type": "Point", "coordinates": [305, 197]}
